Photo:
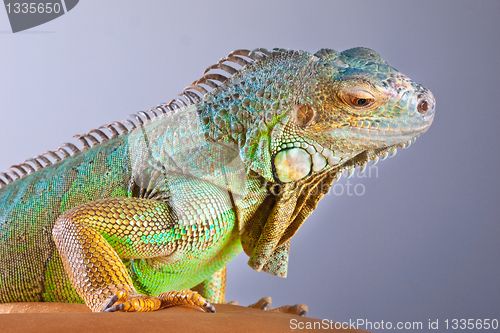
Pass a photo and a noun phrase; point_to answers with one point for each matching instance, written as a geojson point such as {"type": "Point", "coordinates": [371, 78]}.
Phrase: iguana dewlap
{"type": "Point", "coordinates": [160, 203]}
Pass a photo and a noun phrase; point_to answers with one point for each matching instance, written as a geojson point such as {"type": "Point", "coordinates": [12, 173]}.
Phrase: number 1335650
{"type": "Point", "coordinates": [33, 8]}
{"type": "Point", "coordinates": [471, 324]}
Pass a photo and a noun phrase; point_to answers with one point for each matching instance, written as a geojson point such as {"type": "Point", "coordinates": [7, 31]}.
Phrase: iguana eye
{"type": "Point", "coordinates": [359, 98]}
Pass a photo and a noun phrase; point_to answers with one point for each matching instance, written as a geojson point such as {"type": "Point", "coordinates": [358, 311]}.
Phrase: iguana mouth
{"type": "Point", "coordinates": [401, 130]}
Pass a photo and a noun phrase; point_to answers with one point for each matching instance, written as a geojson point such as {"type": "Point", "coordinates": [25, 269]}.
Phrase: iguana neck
{"type": "Point", "coordinates": [245, 109]}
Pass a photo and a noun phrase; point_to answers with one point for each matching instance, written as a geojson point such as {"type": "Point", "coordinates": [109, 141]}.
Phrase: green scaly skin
{"type": "Point", "coordinates": [167, 204]}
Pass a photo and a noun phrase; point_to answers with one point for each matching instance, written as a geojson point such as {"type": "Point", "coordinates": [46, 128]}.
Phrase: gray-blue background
{"type": "Point", "coordinates": [421, 243]}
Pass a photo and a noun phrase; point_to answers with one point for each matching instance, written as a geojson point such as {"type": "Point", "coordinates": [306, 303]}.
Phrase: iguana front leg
{"type": "Point", "coordinates": [92, 237]}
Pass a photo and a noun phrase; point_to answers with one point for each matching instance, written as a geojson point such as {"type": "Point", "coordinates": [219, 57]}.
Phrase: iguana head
{"type": "Point", "coordinates": [349, 108]}
{"type": "Point", "coordinates": [309, 118]}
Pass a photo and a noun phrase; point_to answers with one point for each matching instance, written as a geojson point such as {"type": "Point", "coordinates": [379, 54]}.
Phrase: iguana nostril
{"type": "Point", "coordinates": [423, 106]}
{"type": "Point", "coordinates": [425, 101]}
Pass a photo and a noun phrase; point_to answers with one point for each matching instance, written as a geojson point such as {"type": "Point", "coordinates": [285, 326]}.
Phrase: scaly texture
{"type": "Point", "coordinates": [160, 203]}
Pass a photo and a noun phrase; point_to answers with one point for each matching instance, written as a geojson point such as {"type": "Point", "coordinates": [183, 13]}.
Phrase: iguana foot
{"type": "Point", "coordinates": [185, 297]}
{"type": "Point", "coordinates": [298, 309]}
{"type": "Point", "coordinates": [122, 301]}
{"type": "Point", "coordinates": [265, 304]}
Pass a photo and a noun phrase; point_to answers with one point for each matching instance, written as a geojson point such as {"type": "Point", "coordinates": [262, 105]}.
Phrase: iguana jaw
{"type": "Point", "coordinates": [295, 162]}
{"type": "Point", "coordinates": [366, 156]}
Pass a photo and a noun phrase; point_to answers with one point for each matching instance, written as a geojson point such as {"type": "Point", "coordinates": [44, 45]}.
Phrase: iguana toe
{"type": "Point", "coordinates": [185, 297]}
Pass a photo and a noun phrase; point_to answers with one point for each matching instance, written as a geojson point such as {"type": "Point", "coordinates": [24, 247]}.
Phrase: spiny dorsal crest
{"type": "Point", "coordinates": [213, 77]}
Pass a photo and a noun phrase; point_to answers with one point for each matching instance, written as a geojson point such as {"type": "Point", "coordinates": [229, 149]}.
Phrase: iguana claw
{"type": "Point", "coordinates": [109, 305]}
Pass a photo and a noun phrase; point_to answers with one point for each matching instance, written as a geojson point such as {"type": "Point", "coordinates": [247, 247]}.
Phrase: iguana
{"type": "Point", "coordinates": [158, 204]}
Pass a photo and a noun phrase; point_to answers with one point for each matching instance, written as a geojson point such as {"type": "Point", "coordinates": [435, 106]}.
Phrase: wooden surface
{"type": "Point", "coordinates": [58, 317]}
